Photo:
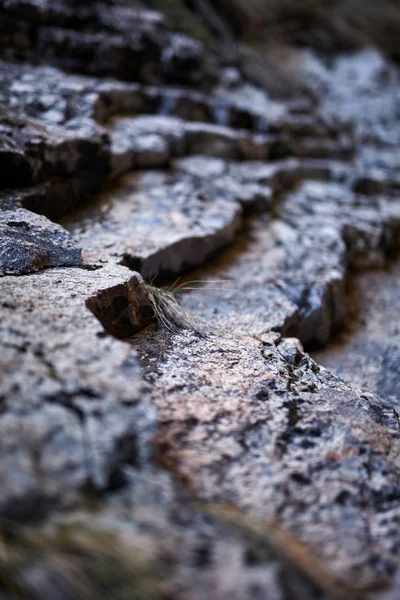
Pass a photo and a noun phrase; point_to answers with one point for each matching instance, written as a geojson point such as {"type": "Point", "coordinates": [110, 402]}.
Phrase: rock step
{"type": "Point", "coordinates": [152, 141]}
{"type": "Point", "coordinates": [158, 230]}
{"type": "Point", "coordinates": [76, 157]}
{"type": "Point", "coordinates": [118, 41]}
{"type": "Point", "coordinates": [74, 407]}
{"type": "Point", "coordinates": [292, 270]}
{"type": "Point", "coordinates": [266, 428]}
{"type": "Point", "coordinates": [29, 242]}
{"type": "Point", "coordinates": [55, 97]}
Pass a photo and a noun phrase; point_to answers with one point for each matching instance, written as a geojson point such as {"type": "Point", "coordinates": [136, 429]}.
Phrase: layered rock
{"type": "Point", "coordinates": [227, 409]}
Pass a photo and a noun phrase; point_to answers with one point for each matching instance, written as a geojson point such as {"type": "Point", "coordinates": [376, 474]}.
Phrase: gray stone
{"type": "Point", "coordinates": [77, 153]}
{"type": "Point", "coordinates": [224, 142]}
{"type": "Point", "coordinates": [73, 408]}
{"type": "Point", "coordinates": [227, 402]}
{"type": "Point", "coordinates": [161, 229]}
{"type": "Point", "coordinates": [201, 166]}
{"type": "Point", "coordinates": [30, 242]}
{"type": "Point", "coordinates": [122, 41]}
{"type": "Point", "coordinates": [366, 352]}
{"type": "Point", "coordinates": [283, 440]}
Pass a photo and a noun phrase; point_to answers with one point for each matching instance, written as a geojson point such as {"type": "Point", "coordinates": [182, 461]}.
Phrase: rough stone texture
{"type": "Point", "coordinates": [74, 158]}
{"type": "Point", "coordinates": [72, 407]}
{"type": "Point", "coordinates": [30, 242]}
{"type": "Point", "coordinates": [148, 233]}
{"type": "Point", "coordinates": [229, 404]}
{"type": "Point", "coordinates": [269, 431]}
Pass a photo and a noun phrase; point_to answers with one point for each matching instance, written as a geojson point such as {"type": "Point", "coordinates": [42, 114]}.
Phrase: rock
{"type": "Point", "coordinates": [124, 309]}
{"type": "Point", "coordinates": [377, 182]}
{"type": "Point", "coordinates": [281, 441]}
{"type": "Point", "coordinates": [223, 142]}
{"type": "Point", "coordinates": [160, 230]}
{"type": "Point", "coordinates": [366, 352]}
{"type": "Point", "coordinates": [252, 196]}
{"type": "Point", "coordinates": [121, 41]}
{"type": "Point", "coordinates": [291, 350]}
{"type": "Point", "coordinates": [15, 168]}
{"type": "Point", "coordinates": [73, 408]}
{"type": "Point", "coordinates": [145, 142]}
{"type": "Point", "coordinates": [278, 174]}
{"type": "Point", "coordinates": [367, 226]}
{"type": "Point", "coordinates": [77, 153]}
{"type": "Point", "coordinates": [221, 176]}
{"type": "Point", "coordinates": [30, 242]}
{"type": "Point", "coordinates": [202, 166]}
{"type": "Point", "coordinates": [261, 472]}
{"type": "Point", "coordinates": [327, 170]}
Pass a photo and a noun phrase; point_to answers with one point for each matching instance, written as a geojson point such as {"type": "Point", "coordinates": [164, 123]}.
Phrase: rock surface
{"type": "Point", "coordinates": [190, 417]}
{"type": "Point", "coordinates": [30, 242]}
{"type": "Point", "coordinates": [145, 231]}
{"type": "Point", "coordinates": [366, 352]}
{"type": "Point", "coordinates": [72, 406]}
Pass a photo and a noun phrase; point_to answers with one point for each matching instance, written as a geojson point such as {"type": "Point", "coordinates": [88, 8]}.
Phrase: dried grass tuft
{"type": "Point", "coordinates": [171, 315]}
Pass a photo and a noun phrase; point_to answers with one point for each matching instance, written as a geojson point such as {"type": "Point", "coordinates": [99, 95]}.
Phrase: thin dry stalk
{"type": "Point", "coordinates": [171, 315]}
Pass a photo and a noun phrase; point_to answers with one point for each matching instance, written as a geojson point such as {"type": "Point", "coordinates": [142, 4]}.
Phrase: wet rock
{"type": "Point", "coordinates": [30, 242]}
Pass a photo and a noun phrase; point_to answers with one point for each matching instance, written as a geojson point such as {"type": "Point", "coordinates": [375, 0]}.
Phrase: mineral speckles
{"type": "Point", "coordinates": [243, 415]}
{"type": "Point", "coordinates": [73, 403]}
{"type": "Point", "coordinates": [30, 242]}
{"type": "Point", "coordinates": [267, 429]}
{"type": "Point", "coordinates": [161, 229]}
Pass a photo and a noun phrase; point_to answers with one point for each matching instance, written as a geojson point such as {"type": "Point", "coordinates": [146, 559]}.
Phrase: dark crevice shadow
{"type": "Point", "coordinates": [366, 353]}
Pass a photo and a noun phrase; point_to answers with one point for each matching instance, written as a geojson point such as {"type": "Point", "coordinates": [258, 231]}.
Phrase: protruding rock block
{"type": "Point", "coordinates": [123, 309]}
